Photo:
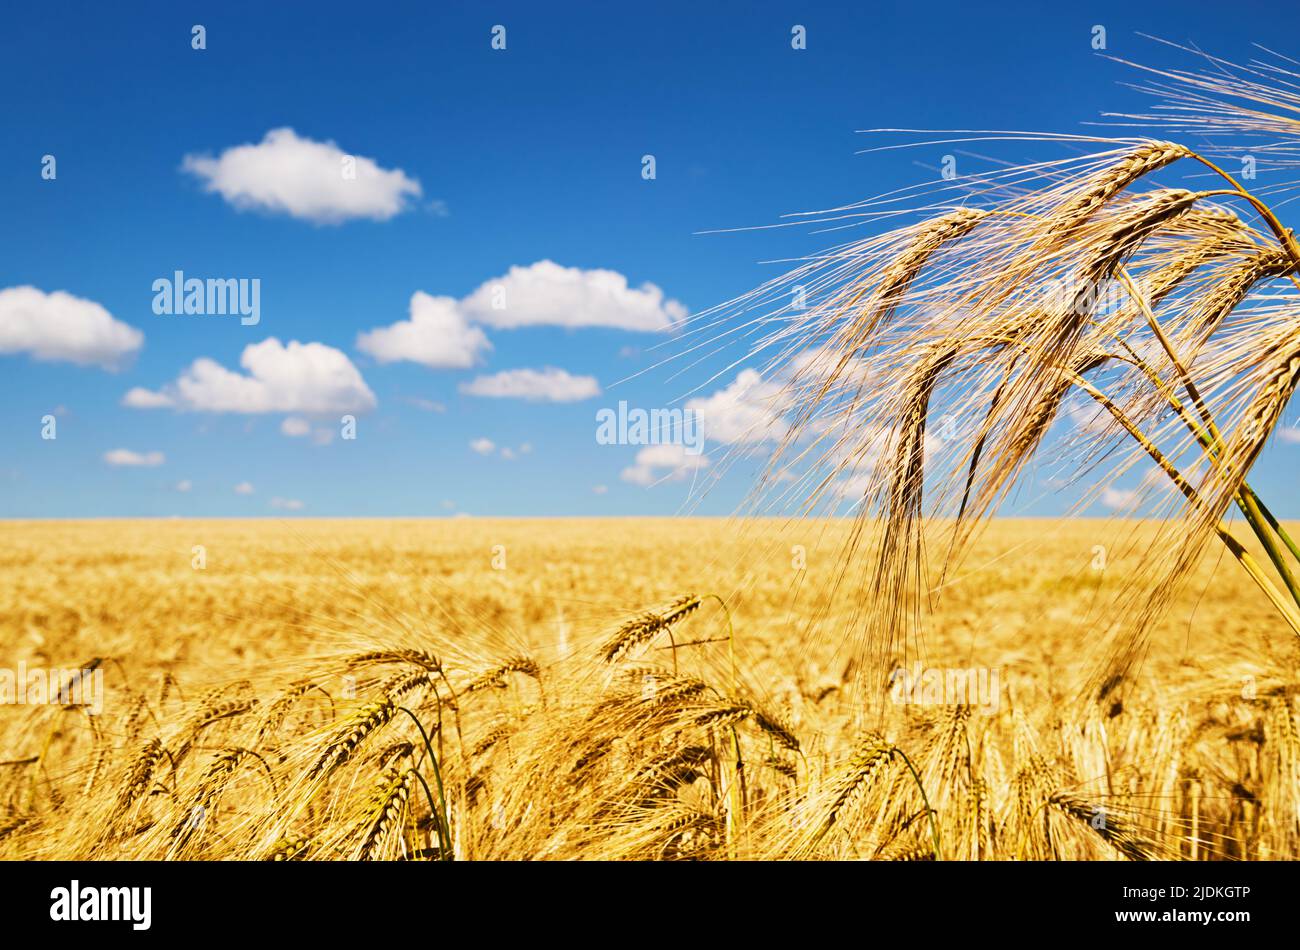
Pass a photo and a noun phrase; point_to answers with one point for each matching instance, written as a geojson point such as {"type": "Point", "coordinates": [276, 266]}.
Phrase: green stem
{"type": "Point", "coordinates": [1275, 524]}
{"type": "Point", "coordinates": [1214, 446]}
{"type": "Point", "coordinates": [442, 817]}
{"type": "Point", "coordinates": [432, 807]}
{"type": "Point", "coordinates": [934, 825]}
{"type": "Point", "coordinates": [1277, 598]}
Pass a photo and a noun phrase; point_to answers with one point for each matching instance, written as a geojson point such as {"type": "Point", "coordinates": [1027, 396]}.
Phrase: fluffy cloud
{"type": "Point", "coordinates": [853, 487]}
{"type": "Point", "coordinates": [184, 485]}
{"type": "Point", "coordinates": [299, 377]}
{"type": "Point", "coordinates": [295, 427]}
{"type": "Point", "coordinates": [1119, 498]}
{"type": "Point", "coordinates": [544, 385]}
{"type": "Point", "coordinates": [244, 488]}
{"type": "Point", "coordinates": [296, 176]}
{"type": "Point", "coordinates": [751, 408]}
{"type": "Point", "coordinates": [485, 446]}
{"type": "Point", "coordinates": [548, 293]}
{"type": "Point", "coordinates": [440, 332]}
{"type": "Point", "coordinates": [666, 462]}
{"type": "Point", "coordinates": [59, 326]}
{"type": "Point", "coordinates": [814, 365]}
{"type": "Point", "coordinates": [437, 335]}
{"type": "Point", "coordinates": [287, 504]}
{"type": "Point", "coordinates": [120, 457]}
{"type": "Point", "coordinates": [137, 397]}
{"type": "Point", "coordinates": [745, 411]}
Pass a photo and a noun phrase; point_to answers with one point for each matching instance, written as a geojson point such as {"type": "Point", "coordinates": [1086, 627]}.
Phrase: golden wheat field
{"type": "Point", "coordinates": [519, 689]}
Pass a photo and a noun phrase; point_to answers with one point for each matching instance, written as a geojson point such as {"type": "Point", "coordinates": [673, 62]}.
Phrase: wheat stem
{"type": "Point", "coordinates": [441, 816]}
{"type": "Point", "coordinates": [1252, 567]}
{"type": "Point", "coordinates": [934, 825]}
{"type": "Point", "coordinates": [1246, 501]}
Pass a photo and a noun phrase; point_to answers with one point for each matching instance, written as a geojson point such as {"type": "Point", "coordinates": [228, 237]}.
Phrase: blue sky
{"type": "Point", "coordinates": [523, 155]}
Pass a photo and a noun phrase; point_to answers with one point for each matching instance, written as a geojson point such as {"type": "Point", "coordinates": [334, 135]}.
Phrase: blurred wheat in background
{"type": "Point", "coordinates": [258, 708]}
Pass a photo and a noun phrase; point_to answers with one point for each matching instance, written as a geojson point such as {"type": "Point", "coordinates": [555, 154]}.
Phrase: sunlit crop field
{"type": "Point", "coordinates": [262, 682]}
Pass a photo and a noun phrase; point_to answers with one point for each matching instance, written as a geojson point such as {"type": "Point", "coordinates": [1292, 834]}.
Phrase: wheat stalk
{"type": "Point", "coordinates": [645, 628]}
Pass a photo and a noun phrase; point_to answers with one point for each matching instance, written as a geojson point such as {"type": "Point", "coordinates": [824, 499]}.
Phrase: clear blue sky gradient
{"type": "Point", "coordinates": [536, 152]}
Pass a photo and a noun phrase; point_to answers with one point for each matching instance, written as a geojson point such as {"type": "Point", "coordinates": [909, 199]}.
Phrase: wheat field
{"type": "Point", "coordinates": [657, 688]}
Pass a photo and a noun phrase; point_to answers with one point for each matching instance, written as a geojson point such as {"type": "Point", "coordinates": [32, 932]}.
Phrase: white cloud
{"type": "Point", "coordinates": [137, 397]}
{"type": "Point", "coordinates": [857, 455]}
{"type": "Point", "coordinates": [1090, 418]}
{"type": "Point", "coordinates": [1118, 498]}
{"type": "Point", "coordinates": [119, 457]}
{"type": "Point", "coordinates": [599, 489]}
{"type": "Point", "coordinates": [545, 385]}
{"type": "Point", "coordinates": [854, 487]}
{"type": "Point", "coordinates": [244, 488]}
{"type": "Point", "coordinates": [745, 411]}
{"type": "Point", "coordinates": [437, 335]}
{"type": "Point", "coordinates": [440, 332]}
{"type": "Point", "coordinates": [674, 460]}
{"type": "Point", "coordinates": [548, 293]}
{"type": "Point", "coordinates": [295, 426]}
{"type": "Point", "coordinates": [184, 485]}
{"type": "Point", "coordinates": [59, 326]}
{"type": "Point", "coordinates": [485, 446]}
{"type": "Point", "coordinates": [814, 365]}
{"type": "Point", "coordinates": [296, 176]}
{"type": "Point", "coordinates": [1289, 433]}
{"type": "Point", "coordinates": [299, 377]}
{"type": "Point", "coordinates": [427, 405]}
{"type": "Point", "coordinates": [287, 504]}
